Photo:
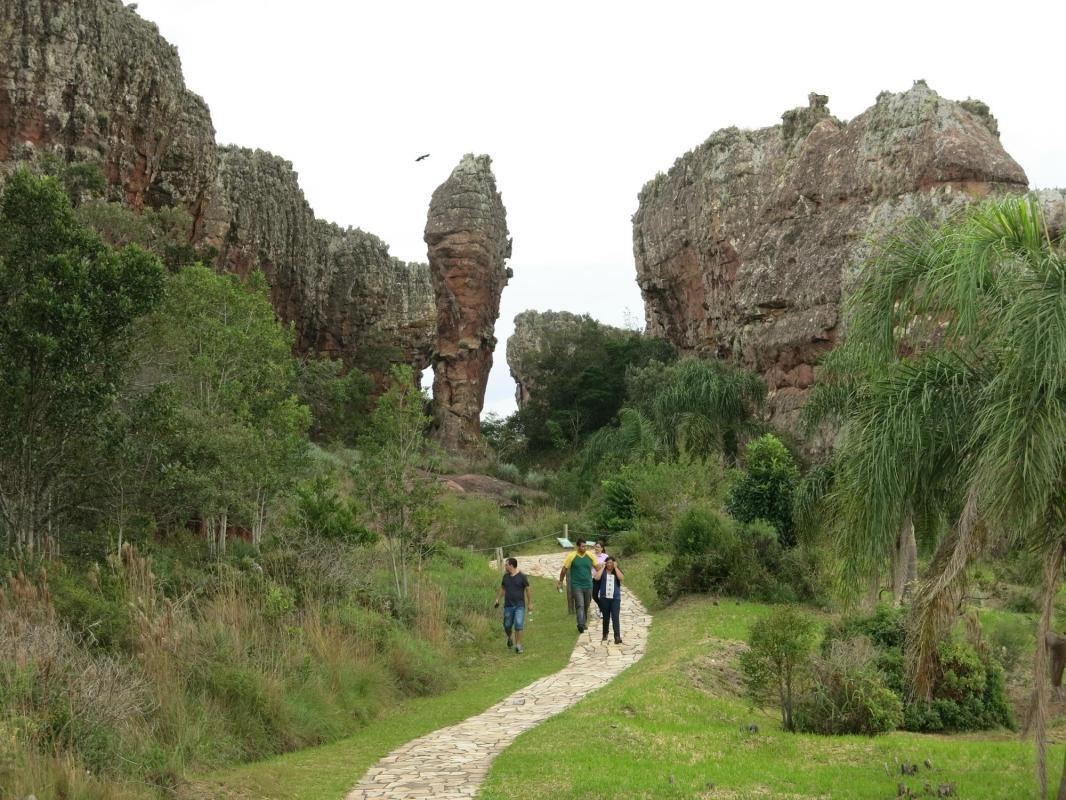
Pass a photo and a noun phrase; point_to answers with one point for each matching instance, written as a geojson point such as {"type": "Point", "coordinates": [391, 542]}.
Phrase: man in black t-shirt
{"type": "Point", "coordinates": [514, 588]}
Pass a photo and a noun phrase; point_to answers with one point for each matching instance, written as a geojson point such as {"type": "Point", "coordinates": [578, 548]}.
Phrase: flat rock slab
{"type": "Point", "coordinates": [452, 762]}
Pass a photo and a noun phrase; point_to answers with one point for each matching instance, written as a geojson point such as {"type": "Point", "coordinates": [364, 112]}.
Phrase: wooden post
{"type": "Point", "coordinates": [499, 558]}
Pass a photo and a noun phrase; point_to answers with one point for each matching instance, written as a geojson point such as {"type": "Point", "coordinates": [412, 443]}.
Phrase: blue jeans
{"type": "Point", "coordinates": [611, 610]}
{"type": "Point", "coordinates": [514, 617]}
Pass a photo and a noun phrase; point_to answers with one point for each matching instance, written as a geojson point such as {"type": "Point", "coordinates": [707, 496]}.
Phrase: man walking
{"type": "Point", "coordinates": [517, 597]}
{"type": "Point", "coordinates": [582, 565]}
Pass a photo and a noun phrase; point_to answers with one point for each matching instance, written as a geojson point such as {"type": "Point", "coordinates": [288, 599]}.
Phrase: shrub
{"type": "Point", "coordinates": [628, 543]}
{"type": "Point", "coordinates": [778, 655]}
{"type": "Point", "coordinates": [968, 687]}
{"type": "Point", "coordinates": [1010, 639]}
{"type": "Point", "coordinates": [507, 472]}
{"type": "Point", "coordinates": [471, 521]}
{"type": "Point", "coordinates": [1021, 601]}
{"type": "Point", "coordinates": [765, 489]}
{"type": "Point", "coordinates": [320, 511]}
{"type": "Point", "coordinates": [616, 506]}
{"type": "Point", "coordinates": [847, 693]}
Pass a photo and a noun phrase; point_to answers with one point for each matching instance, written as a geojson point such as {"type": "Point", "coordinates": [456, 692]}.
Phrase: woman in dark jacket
{"type": "Point", "coordinates": [609, 596]}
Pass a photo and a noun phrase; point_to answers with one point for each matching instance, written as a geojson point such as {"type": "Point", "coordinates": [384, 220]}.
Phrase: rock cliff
{"type": "Point", "coordinates": [531, 329]}
{"type": "Point", "coordinates": [747, 246]}
{"type": "Point", "coordinates": [93, 82]}
{"type": "Point", "coordinates": [466, 233]}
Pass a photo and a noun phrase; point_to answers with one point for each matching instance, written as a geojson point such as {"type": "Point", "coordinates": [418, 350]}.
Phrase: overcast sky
{"type": "Point", "coordinates": [580, 103]}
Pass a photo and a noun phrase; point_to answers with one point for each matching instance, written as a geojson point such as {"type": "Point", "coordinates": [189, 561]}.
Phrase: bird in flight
{"type": "Point", "coordinates": [424, 155]}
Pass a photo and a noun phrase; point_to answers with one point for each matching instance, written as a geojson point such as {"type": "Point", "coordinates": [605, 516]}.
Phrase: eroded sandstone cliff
{"type": "Point", "coordinates": [466, 233]}
{"type": "Point", "coordinates": [747, 246]}
{"type": "Point", "coordinates": [93, 82]}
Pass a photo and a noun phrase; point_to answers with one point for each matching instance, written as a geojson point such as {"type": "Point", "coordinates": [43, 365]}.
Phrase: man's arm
{"type": "Point", "coordinates": [566, 566]}
{"type": "Point", "coordinates": [529, 595]}
{"type": "Point", "coordinates": [499, 594]}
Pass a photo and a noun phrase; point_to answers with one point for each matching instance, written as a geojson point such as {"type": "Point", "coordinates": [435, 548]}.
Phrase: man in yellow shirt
{"type": "Point", "coordinates": [582, 566]}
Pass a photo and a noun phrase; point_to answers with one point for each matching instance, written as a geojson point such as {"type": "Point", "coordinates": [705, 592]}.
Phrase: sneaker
{"type": "Point", "coordinates": [519, 649]}
{"type": "Point", "coordinates": [604, 639]}
{"type": "Point", "coordinates": [618, 641]}
{"type": "Point", "coordinates": [510, 642]}
{"type": "Point", "coordinates": [580, 628]}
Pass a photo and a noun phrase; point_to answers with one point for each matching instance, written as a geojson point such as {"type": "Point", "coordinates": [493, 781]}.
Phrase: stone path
{"type": "Point", "coordinates": [452, 762]}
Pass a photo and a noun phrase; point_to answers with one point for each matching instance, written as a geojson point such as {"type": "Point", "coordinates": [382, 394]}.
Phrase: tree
{"type": "Point", "coordinates": [340, 400]}
{"type": "Point", "coordinates": [957, 345]}
{"type": "Point", "coordinates": [765, 489]}
{"type": "Point", "coordinates": [779, 649]}
{"type": "Point", "coordinates": [67, 306]}
{"type": "Point", "coordinates": [218, 348]}
{"type": "Point", "coordinates": [398, 496]}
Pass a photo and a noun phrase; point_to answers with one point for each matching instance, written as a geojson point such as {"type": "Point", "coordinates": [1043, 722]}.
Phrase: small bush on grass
{"type": "Point", "coordinates": [628, 543]}
{"type": "Point", "coordinates": [1011, 640]}
{"type": "Point", "coordinates": [847, 693]}
{"type": "Point", "coordinates": [775, 664]}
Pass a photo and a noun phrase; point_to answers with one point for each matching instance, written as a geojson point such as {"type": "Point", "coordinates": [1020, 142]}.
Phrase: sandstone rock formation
{"type": "Point", "coordinates": [466, 232]}
{"type": "Point", "coordinates": [346, 295]}
{"type": "Point", "coordinates": [746, 247]}
{"type": "Point", "coordinates": [524, 346]}
{"type": "Point", "coordinates": [91, 81]}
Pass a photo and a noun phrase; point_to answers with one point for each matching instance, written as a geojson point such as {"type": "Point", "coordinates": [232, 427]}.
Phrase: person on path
{"type": "Point", "coordinates": [600, 552]}
{"type": "Point", "coordinates": [581, 565]}
{"type": "Point", "coordinates": [518, 597]}
{"type": "Point", "coordinates": [609, 597]}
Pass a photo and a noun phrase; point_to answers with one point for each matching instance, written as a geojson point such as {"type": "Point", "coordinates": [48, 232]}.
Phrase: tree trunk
{"type": "Point", "coordinates": [223, 523]}
{"type": "Point", "coordinates": [904, 564]}
{"type": "Point", "coordinates": [1038, 707]}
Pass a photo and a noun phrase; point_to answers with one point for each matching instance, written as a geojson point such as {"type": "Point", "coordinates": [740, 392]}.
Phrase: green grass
{"type": "Point", "coordinates": [675, 726]}
{"type": "Point", "coordinates": [328, 772]}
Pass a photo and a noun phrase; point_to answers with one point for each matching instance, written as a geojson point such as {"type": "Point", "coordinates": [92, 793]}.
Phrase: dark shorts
{"type": "Point", "coordinates": [514, 617]}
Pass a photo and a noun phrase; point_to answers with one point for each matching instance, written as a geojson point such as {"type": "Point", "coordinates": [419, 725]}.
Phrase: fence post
{"type": "Point", "coordinates": [499, 558]}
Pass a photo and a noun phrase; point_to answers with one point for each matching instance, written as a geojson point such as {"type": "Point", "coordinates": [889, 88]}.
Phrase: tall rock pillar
{"type": "Point", "coordinates": [466, 234]}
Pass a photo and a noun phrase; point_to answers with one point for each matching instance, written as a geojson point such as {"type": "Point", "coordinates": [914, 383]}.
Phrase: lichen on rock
{"type": "Point", "coordinates": [747, 247]}
{"type": "Point", "coordinates": [468, 245]}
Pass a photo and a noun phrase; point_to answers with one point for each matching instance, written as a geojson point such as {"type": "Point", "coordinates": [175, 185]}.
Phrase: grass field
{"type": "Point", "coordinates": [676, 726]}
{"type": "Point", "coordinates": [327, 772]}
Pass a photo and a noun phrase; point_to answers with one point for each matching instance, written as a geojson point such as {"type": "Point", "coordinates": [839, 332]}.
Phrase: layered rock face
{"type": "Point", "coordinates": [346, 295]}
{"type": "Point", "coordinates": [746, 248]}
{"type": "Point", "coordinates": [466, 233]}
{"type": "Point", "coordinates": [525, 346]}
{"type": "Point", "coordinates": [91, 81]}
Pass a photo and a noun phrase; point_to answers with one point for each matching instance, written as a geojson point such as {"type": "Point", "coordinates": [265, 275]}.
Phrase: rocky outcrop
{"type": "Point", "coordinates": [747, 246]}
{"type": "Point", "coordinates": [93, 82]}
{"type": "Point", "coordinates": [345, 294]}
{"type": "Point", "coordinates": [466, 233]}
{"type": "Point", "coordinates": [525, 345]}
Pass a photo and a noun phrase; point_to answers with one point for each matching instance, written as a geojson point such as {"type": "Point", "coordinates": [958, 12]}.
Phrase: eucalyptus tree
{"type": "Point", "coordinates": [952, 393]}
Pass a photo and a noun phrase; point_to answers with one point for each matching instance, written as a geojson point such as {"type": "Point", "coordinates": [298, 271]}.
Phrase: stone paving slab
{"type": "Point", "coordinates": [451, 763]}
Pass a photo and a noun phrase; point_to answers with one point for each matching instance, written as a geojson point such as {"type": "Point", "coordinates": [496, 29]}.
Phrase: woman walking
{"type": "Point", "coordinates": [609, 597]}
{"type": "Point", "coordinates": [599, 553]}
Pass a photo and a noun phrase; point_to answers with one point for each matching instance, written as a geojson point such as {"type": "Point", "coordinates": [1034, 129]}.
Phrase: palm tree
{"type": "Point", "coordinates": [697, 407]}
{"type": "Point", "coordinates": [951, 391]}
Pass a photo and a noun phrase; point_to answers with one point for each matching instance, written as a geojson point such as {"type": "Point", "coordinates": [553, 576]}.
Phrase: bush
{"type": "Point", "coordinates": [628, 543]}
{"type": "Point", "coordinates": [779, 649]}
{"type": "Point", "coordinates": [847, 693]}
{"type": "Point", "coordinates": [1011, 639]}
{"type": "Point", "coordinates": [968, 689]}
{"type": "Point", "coordinates": [320, 511]}
{"type": "Point", "coordinates": [764, 491]}
{"type": "Point", "coordinates": [472, 521]}
{"type": "Point", "coordinates": [1021, 601]}
{"type": "Point", "coordinates": [617, 506]}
